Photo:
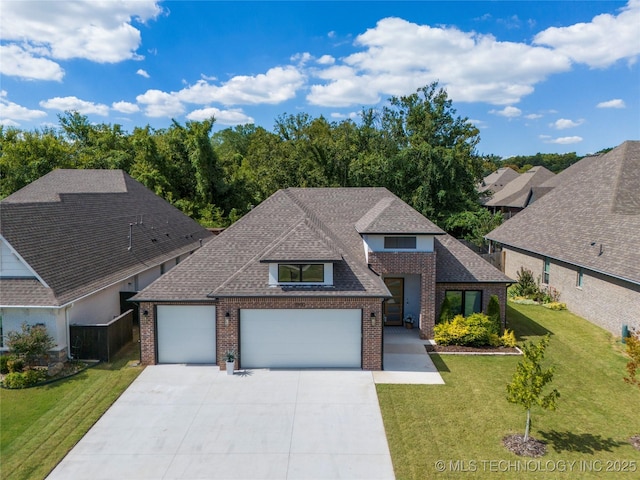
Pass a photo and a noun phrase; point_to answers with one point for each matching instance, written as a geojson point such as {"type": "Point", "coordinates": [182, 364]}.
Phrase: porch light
{"type": "Point", "coordinates": [373, 319]}
{"type": "Point", "coordinates": [226, 319]}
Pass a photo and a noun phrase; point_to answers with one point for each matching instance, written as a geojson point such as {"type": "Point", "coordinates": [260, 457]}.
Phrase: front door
{"type": "Point", "coordinates": [393, 307]}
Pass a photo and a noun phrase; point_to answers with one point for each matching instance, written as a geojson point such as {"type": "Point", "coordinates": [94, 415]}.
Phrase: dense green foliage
{"type": "Point", "coordinates": [493, 309]}
{"type": "Point", "coordinates": [633, 350]}
{"type": "Point", "coordinates": [31, 343]}
{"type": "Point", "coordinates": [476, 330]}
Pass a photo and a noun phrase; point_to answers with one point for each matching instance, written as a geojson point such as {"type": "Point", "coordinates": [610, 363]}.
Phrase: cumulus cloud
{"type": "Point", "coordinates": [99, 31]}
{"type": "Point", "coordinates": [277, 85]}
{"type": "Point", "coordinates": [73, 103]}
{"type": "Point", "coordinates": [509, 112]}
{"type": "Point", "coordinates": [564, 123]}
{"type": "Point", "coordinates": [224, 117]}
{"type": "Point", "coordinates": [11, 112]}
{"type": "Point", "coordinates": [160, 104]}
{"type": "Point", "coordinates": [601, 42]}
{"type": "Point", "coordinates": [326, 60]}
{"type": "Point", "coordinates": [398, 56]}
{"type": "Point", "coordinates": [125, 107]}
{"type": "Point", "coordinates": [561, 140]}
{"type": "Point", "coordinates": [143, 73]}
{"type": "Point", "coordinates": [615, 103]}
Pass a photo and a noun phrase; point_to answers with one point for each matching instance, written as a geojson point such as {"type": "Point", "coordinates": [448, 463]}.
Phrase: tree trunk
{"type": "Point", "coordinates": [526, 431]}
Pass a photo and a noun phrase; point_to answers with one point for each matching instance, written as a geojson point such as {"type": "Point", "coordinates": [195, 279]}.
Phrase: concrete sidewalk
{"type": "Point", "coordinates": [406, 360]}
{"type": "Point", "coordinates": [178, 422]}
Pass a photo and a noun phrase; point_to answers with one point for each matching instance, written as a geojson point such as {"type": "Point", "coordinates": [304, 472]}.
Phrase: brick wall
{"type": "Point", "coordinates": [421, 263]}
{"type": "Point", "coordinates": [488, 289]}
{"type": "Point", "coordinates": [227, 328]}
{"type": "Point", "coordinates": [605, 301]}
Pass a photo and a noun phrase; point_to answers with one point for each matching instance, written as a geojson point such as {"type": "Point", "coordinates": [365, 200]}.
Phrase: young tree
{"type": "Point", "coordinates": [529, 381]}
{"type": "Point", "coordinates": [31, 343]}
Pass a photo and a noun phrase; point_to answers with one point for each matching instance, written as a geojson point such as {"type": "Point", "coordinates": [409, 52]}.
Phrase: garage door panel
{"type": "Point", "coordinates": [186, 333]}
{"type": "Point", "coordinates": [324, 338]}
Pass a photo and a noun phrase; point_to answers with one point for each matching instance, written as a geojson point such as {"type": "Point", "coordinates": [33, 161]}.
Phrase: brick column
{"type": "Point", "coordinates": [147, 334]}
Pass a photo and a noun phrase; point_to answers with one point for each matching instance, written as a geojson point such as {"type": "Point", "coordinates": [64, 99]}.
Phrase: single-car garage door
{"type": "Point", "coordinates": [186, 333]}
{"type": "Point", "coordinates": [323, 338]}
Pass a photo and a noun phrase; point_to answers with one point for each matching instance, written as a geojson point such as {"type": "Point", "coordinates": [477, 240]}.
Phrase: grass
{"type": "Point", "coordinates": [38, 426]}
{"type": "Point", "coordinates": [462, 423]}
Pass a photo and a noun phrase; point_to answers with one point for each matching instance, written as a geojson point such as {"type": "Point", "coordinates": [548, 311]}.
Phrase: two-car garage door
{"type": "Point", "coordinates": [282, 338]}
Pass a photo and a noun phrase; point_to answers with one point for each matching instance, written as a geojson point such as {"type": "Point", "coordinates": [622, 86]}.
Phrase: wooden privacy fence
{"type": "Point", "coordinates": [101, 341]}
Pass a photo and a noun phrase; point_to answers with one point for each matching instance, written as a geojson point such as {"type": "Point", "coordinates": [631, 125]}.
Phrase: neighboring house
{"type": "Point", "coordinates": [583, 238]}
{"type": "Point", "coordinates": [76, 243]}
{"type": "Point", "coordinates": [310, 278]}
{"type": "Point", "coordinates": [496, 181]}
{"type": "Point", "coordinates": [516, 195]}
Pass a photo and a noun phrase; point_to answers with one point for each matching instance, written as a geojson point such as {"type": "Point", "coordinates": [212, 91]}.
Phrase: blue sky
{"type": "Point", "coordinates": [532, 76]}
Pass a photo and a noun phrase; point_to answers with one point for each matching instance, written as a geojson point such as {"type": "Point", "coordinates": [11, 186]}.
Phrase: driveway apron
{"type": "Point", "coordinates": [180, 422]}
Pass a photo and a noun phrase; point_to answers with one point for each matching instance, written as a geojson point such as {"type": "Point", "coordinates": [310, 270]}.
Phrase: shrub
{"type": "Point", "coordinates": [474, 331]}
{"type": "Point", "coordinates": [4, 367]}
{"type": "Point", "coordinates": [15, 364]}
{"type": "Point", "coordinates": [526, 286]}
{"type": "Point", "coordinates": [24, 379]}
{"type": "Point", "coordinates": [555, 305]}
{"type": "Point", "coordinates": [445, 311]}
{"type": "Point", "coordinates": [508, 338]}
{"type": "Point", "coordinates": [31, 343]}
{"type": "Point", "coordinates": [550, 295]}
{"type": "Point", "coordinates": [493, 311]}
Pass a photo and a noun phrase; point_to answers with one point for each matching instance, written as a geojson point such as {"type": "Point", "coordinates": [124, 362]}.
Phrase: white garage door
{"type": "Point", "coordinates": [186, 333]}
{"type": "Point", "coordinates": [300, 338]}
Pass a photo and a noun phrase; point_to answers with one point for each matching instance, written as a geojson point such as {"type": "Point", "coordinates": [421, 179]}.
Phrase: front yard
{"type": "Point", "coordinates": [455, 430]}
{"type": "Point", "coordinates": [39, 425]}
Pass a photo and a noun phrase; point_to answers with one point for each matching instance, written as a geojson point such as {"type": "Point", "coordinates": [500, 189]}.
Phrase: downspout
{"type": "Point", "coordinates": [66, 321]}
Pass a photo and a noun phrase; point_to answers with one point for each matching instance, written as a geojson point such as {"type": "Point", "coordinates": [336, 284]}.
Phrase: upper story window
{"type": "Point", "coordinates": [303, 273]}
{"type": "Point", "coordinates": [580, 278]}
{"type": "Point", "coordinates": [408, 243]}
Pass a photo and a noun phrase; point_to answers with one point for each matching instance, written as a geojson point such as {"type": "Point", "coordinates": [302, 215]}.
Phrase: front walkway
{"type": "Point", "coordinates": [406, 360]}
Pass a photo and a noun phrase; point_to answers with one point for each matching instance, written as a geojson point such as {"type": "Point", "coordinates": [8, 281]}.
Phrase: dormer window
{"type": "Point", "coordinates": [300, 273]}
{"type": "Point", "coordinates": [398, 243]}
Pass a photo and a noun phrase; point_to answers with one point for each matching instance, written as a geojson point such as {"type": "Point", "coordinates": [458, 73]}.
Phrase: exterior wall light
{"type": "Point", "coordinates": [373, 319]}
{"type": "Point", "coordinates": [226, 319]}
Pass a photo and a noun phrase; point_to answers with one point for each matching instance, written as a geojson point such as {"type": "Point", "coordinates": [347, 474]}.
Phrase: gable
{"type": "Point", "coordinates": [11, 264]}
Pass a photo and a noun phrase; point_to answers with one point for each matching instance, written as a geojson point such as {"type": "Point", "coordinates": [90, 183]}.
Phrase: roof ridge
{"type": "Point", "coordinates": [373, 213]}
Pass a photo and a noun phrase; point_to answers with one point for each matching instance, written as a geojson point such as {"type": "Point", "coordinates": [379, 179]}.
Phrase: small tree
{"type": "Point", "coordinates": [31, 343]}
{"type": "Point", "coordinates": [530, 379]}
{"type": "Point", "coordinates": [633, 350]}
{"type": "Point", "coordinates": [493, 311]}
{"type": "Point", "coordinates": [445, 311]}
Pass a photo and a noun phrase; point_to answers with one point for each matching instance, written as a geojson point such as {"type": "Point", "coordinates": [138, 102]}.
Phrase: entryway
{"type": "Point", "coordinates": [394, 307]}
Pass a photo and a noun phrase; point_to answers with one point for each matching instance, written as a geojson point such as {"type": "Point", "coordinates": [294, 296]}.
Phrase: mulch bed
{"type": "Point", "coordinates": [635, 441]}
{"type": "Point", "coordinates": [486, 350]}
{"type": "Point", "coordinates": [530, 448]}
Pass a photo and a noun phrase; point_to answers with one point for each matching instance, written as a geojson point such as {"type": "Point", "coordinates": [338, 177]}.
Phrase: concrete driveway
{"type": "Point", "coordinates": [195, 422]}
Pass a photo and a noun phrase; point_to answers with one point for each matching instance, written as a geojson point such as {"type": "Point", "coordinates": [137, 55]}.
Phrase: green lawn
{"type": "Point", "coordinates": [38, 426]}
{"type": "Point", "coordinates": [463, 422]}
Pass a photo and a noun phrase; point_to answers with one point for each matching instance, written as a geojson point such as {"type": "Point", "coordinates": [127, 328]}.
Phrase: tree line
{"type": "Point", "coordinates": [415, 145]}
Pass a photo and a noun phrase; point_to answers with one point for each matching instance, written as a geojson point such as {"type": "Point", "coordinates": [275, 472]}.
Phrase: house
{"type": "Point", "coordinates": [583, 238]}
{"type": "Point", "coordinates": [496, 181]}
{"type": "Point", "coordinates": [76, 243]}
{"type": "Point", "coordinates": [311, 278]}
{"type": "Point", "coordinates": [516, 194]}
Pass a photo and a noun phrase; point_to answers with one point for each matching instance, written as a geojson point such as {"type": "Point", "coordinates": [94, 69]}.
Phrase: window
{"type": "Point", "coordinates": [545, 272]}
{"type": "Point", "coordinates": [312, 273]}
{"type": "Point", "coordinates": [1, 333]}
{"type": "Point", "coordinates": [579, 278]}
{"type": "Point", "coordinates": [464, 302]}
{"type": "Point", "coordinates": [400, 242]}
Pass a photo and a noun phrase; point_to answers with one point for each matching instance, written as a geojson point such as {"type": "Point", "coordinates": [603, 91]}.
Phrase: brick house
{"type": "Point", "coordinates": [583, 238]}
{"type": "Point", "coordinates": [312, 278]}
{"type": "Point", "coordinates": [75, 244]}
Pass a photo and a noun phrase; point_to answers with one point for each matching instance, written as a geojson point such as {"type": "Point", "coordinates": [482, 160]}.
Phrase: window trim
{"type": "Point", "coordinates": [546, 271]}
{"type": "Point", "coordinates": [463, 300]}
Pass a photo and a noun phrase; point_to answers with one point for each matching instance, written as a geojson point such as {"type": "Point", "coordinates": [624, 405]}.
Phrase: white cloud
{"type": "Point", "coordinates": [125, 107]}
{"type": "Point", "coordinates": [398, 56]}
{"type": "Point", "coordinates": [561, 140]}
{"type": "Point", "coordinates": [326, 60]}
{"type": "Point", "coordinates": [564, 123]}
{"type": "Point", "coordinates": [99, 31]}
{"type": "Point", "coordinates": [343, 116]}
{"type": "Point", "coordinates": [601, 42]}
{"type": "Point", "coordinates": [615, 103]}
{"type": "Point", "coordinates": [277, 85]}
{"type": "Point", "coordinates": [75, 104]}
{"type": "Point", "coordinates": [224, 117]}
{"type": "Point", "coordinates": [301, 58]}
{"type": "Point", "coordinates": [10, 112]}
{"type": "Point", "coordinates": [160, 104]}
{"type": "Point", "coordinates": [16, 62]}
{"type": "Point", "coordinates": [143, 73]}
{"type": "Point", "coordinates": [509, 112]}
{"type": "Point", "coordinates": [533, 116]}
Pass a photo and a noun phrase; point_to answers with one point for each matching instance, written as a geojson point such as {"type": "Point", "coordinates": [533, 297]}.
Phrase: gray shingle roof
{"type": "Point", "coordinates": [235, 262]}
{"type": "Point", "coordinates": [455, 263]}
{"type": "Point", "coordinates": [516, 193]}
{"type": "Point", "coordinates": [497, 180]}
{"type": "Point", "coordinates": [590, 219]}
{"type": "Point", "coordinates": [72, 227]}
